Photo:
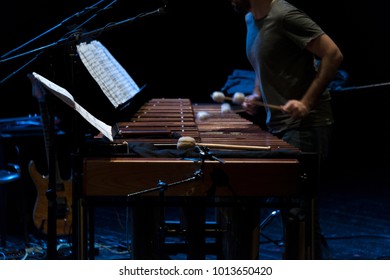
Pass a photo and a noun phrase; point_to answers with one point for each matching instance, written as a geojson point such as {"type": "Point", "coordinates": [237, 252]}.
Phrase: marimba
{"type": "Point", "coordinates": [240, 176]}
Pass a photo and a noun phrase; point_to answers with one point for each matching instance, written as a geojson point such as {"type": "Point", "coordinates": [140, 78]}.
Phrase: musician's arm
{"type": "Point", "coordinates": [331, 57]}
{"type": "Point", "coordinates": [256, 89]}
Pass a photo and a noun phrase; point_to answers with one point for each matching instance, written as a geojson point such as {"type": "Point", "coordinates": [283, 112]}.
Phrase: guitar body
{"type": "Point", "coordinates": [64, 200]}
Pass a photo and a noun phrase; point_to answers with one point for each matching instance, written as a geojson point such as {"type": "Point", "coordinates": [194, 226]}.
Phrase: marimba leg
{"type": "Point", "coordinates": [241, 228]}
{"type": "Point", "coordinates": [146, 233]}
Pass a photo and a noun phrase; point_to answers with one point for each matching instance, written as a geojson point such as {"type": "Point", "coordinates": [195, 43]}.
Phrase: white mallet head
{"type": "Point", "coordinates": [225, 108]}
{"type": "Point", "coordinates": [238, 98]}
{"type": "Point", "coordinates": [202, 116]}
{"type": "Point", "coordinates": [218, 96]}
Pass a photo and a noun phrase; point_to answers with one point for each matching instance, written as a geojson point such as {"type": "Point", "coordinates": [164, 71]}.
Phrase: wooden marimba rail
{"type": "Point", "coordinates": [112, 176]}
{"type": "Point", "coordinates": [122, 177]}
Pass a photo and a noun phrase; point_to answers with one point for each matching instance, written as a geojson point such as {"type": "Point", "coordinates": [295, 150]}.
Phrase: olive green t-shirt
{"type": "Point", "coordinates": [276, 49]}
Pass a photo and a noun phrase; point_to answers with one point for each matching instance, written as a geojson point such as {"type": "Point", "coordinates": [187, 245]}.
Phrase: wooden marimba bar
{"type": "Point", "coordinates": [169, 118]}
{"type": "Point", "coordinates": [172, 118]}
{"type": "Point", "coordinates": [229, 127]}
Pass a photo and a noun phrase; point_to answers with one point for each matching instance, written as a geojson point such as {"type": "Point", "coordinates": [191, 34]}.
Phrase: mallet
{"type": "Point", "coordinates": [187, 142]}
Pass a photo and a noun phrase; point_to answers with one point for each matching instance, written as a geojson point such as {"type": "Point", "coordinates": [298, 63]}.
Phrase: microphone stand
{"type": "Point", "coordinates": [362, 87]}
{"type": "Point", "coordinates": [6, 57]}
{"type": "Point", "coordinates": [198, 174]}
{"type": "Point", "coordinates": [76, 15]}
{"type": "Point", "coordinates": [78, 36]}
{"type": "Point", "coordinates": [161, 187]}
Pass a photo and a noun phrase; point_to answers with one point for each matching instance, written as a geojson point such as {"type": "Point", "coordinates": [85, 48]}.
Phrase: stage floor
{"type": "Point", "coordinates": [354, 217]}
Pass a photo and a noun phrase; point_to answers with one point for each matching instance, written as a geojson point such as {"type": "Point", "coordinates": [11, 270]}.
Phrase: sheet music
{"type": "Point", "coordinates": [112, 78]}
{"type": "Point", "coordinates": [65, 96]}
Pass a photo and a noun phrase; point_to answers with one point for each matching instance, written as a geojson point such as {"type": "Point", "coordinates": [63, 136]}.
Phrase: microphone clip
{"type": "Point", "coordinates": [206, 154]}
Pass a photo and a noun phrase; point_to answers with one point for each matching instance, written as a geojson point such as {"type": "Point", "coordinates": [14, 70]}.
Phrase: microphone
{"type": "Point", "coordinates": [162, 11]}
{"type": "Point", "coordinates": [206, 154]}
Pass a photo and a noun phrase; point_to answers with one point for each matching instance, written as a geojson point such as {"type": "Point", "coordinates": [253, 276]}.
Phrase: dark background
{"type": "Point", "coordinates": [189, 52]}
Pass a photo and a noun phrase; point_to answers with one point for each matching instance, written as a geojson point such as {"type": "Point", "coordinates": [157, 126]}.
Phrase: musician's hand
{"type": "Point", "coordinates": [296, 109]}
{"type": "Point", "coordinates": [249, 105]}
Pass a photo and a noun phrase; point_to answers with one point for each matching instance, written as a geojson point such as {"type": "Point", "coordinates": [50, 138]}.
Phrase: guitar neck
{"type": "Point", "coordinates": [47, 125]}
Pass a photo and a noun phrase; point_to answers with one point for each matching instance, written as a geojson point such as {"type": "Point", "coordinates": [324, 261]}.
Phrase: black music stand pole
{"type": "Point", "coordinates": [51, 193]}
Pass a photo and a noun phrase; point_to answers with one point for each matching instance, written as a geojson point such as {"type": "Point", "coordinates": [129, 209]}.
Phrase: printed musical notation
{"type": "Point", "coordinates": [66, 97]}
{"type": "Point", "coordinates": [112, 78]}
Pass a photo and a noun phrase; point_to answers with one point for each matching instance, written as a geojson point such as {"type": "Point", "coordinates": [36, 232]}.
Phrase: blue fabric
{"type": "Point", "coordinates": [239, 81]}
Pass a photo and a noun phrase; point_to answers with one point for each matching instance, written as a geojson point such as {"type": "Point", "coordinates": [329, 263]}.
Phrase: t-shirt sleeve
{"type": "Point", "coordinates": [300, 28]}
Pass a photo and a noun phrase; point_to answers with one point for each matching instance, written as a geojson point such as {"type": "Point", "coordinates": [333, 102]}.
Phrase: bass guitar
{"type": "Point", "coordinates": [63, 188]}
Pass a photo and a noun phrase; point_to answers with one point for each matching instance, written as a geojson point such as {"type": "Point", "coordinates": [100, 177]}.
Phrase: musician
{"type": "Point", "coordinates": [282, 46]}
